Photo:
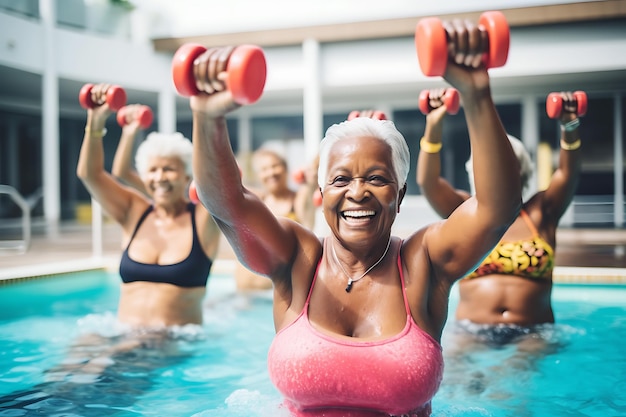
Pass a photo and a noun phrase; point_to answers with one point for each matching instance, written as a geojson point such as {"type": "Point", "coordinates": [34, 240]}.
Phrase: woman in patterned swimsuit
{"type": "Point", "coordinates": [511, 289]}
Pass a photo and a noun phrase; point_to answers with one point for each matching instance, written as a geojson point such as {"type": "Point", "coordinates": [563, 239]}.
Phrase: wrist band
{"type": "Point", "coordinates": [571, 125]}
{"type": "Point", "coordinates": [430, 147]}
{"type": "Point", "coordinates": [570, 146]}
{"type": "Point", "coordinates": [96, 133]}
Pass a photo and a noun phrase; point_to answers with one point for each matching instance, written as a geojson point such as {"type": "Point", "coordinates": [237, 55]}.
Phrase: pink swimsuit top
{"type": "Point", "coordinates": [321, 375]}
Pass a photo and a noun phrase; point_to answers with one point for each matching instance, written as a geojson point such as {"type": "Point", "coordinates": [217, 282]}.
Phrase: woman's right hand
{"type": "Point", "coordinates": [434, 118]}
{"type": "Point", "coordinates": [570, 107]}
{"type": "Point", "coordinates": [466, 45]}
{"type": "Point", "coordinates": [212, 65]}
{"type": "Point", "coordinates": [97, 116]}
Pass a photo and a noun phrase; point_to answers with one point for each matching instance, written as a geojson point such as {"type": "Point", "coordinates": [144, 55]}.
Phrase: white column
{"type": "Point", "coordinates": [50, 118]}
{"type": "Point", "coordinates": [244, 143]}
{"type": "Point", "coordinates": [530, 136]}
{"type": "Point", "coordinates": [313, 114]}
{"type": "Point", "coordinates": [244, 132]}
{"type": "Point", "coordinates": [618, 213]}
{"type": "Point", "coordinates": [167, 111]}
{"type": "Point", "coordinates": [13, 149]}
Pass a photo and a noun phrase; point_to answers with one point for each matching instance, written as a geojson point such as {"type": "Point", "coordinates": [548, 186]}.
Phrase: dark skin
{"type": "Point", "coordinates": [501, 298]}
{"type": "Point", "coordinates": [360, 177]}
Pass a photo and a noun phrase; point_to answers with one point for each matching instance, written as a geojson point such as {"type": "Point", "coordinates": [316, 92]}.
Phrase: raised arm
{"type": "Point", "coordinates": [122, 161]}
{"type": "Point", "coordinates": [261, 242]}
{"type": "Point", "coordinates": [458, 244]}
{"type": "Point", "coordinates": [562, 187]}
{"type": "Point", "coordinates": [441, 195]}
{"type": "Point", "coordinates": [116, 200]}
{"type": "Point", "coordinates": [304, 203]}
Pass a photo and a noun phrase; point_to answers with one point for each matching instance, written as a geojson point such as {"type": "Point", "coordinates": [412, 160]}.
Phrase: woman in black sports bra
{"type": "Point", "coordinates": [512, 287]}
{"type": "Point", "coordinates": [169, 243]}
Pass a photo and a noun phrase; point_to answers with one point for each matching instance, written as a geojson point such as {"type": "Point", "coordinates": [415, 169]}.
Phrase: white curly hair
{"type": "Point", "coordinates": [384, 130]}
{"type": "Point", "coordinates": [526, 164]}
{"type": "Point", "coordinates": [164, 145]}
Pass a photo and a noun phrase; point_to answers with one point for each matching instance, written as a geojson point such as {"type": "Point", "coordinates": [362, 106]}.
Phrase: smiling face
{"type": "Point", "coordinates": [166, 179]}
{"type": "Point", "coordinates": [271, 171]}
{"type": "Point", "coordinates": [361, 194]}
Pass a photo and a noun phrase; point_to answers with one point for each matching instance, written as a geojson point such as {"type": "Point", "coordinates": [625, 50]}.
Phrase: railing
{"type": "Point", "coordinates": [20, 246]}
{"type": "Point", "coordinates": [594, 210]}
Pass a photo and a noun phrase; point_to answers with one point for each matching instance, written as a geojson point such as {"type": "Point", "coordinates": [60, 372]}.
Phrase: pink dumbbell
{"type": "Point", "coordinates": [141, 113]}
{"type": "Point", "coordinates": [246, 69]}
{"type": "Point", "coordinates": [115, 97]}
{"type": "Point", "coordinates": [450, 98]}
{"type": "Point", "coordinates": [554, 104]}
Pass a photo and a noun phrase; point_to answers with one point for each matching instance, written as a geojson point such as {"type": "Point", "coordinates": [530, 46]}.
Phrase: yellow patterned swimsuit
{"type": "Point", "coordinates": [532, 258]}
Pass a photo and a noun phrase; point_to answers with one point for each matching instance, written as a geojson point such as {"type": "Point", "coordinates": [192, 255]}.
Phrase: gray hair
{"type": "Point", "coordinates": [523, 157]}
{"type": "Point", "coordinates": [164, 145]}
{"type": "Point", "coordinates": [384, 130]}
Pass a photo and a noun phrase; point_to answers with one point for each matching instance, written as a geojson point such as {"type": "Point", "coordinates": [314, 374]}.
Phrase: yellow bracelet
{"type": "Point", "coordinates": [570, 146]}
{"type": "Point", "coordinates": [430, 147]}
{"type": "Point", "coordinates": [96, 133]}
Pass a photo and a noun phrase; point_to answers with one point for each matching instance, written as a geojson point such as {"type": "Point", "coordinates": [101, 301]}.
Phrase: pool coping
{"type": "Point", "coordinates": [562, 274]}
{"type": "Point", "coordinates": [23, 273]}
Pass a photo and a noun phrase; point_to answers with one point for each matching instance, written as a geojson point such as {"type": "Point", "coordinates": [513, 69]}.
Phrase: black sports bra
{"type": "Point", "coordinates": [193, 271]}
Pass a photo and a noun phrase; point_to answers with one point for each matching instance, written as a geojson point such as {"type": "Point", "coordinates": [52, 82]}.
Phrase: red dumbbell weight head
{"type": "Point", "coordinates": [246, 70]}
{"type": "Point", "coordinates": [115, 97]}
{"type": "Point", "coordinates": [142, 113]}
{"type": "Point", "coordinates": [353, 114]}
{"type": "Point", "coordinates": [431, 42]}
{"type": "Point", "coordinates": [450, 98]}
{"type": "Point", "coordinates": [375, 114]}
{"type": "Point", "coordinates": [379, 115]}
{"type": "Point", "coordinates": [317, 198]}
{"type": "Point", "coordinates": [193, 193]}
{"type": "Point", "coordinates": [298, 176]}
{"type": "Point", "coordinates": [581, 102]}
{"type": "Point", "coordinates": [554, 104]}
{"type": "Point", "coordinates": [499, 35]}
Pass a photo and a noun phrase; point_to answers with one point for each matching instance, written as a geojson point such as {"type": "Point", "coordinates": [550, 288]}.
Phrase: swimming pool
{"type": "Point", "coordinates": [219, 368]}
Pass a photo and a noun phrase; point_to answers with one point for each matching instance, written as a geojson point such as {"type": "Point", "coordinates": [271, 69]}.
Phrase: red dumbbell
{"type": "Point", "coordinates": [431, 42]}
{"type": "Point", "coordinates": [372, 114]}
{"type": "Point", "coordinates": [317, 198]}
{"type": "Point", "coordinates": [246, 69]}
{"type": "Point", "coordinates": [142, 113]}
{"type": "Point", "coordinates": [554, 104]}
{"type": "Point", "coordinates": [450, 98]}
{"type": "Point", "coordinates": [115, 97]}
{"type": "Point", "coordinates": [193, 193]}
{"type": "Point", "coordinates": [299, 178]}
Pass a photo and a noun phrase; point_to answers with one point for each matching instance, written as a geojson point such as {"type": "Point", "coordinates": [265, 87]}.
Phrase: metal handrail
{"type": "Point", "coordinates": [26, 224]}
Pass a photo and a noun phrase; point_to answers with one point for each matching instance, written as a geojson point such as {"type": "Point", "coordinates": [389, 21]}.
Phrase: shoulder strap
{"type": "Point", "coordinates": [529, 222]}
{"type": "Point", "coordinates": [406, 301]}
{"type": "Point", "coordinates": [317, 269]}
{"type": "Point", "coordinates": [141, 220]}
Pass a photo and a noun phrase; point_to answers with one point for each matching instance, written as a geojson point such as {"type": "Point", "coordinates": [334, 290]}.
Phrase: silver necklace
{"type": "Point", "coordinates": [351, 280]}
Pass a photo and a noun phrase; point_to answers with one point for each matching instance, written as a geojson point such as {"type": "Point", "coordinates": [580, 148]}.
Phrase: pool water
{"type": "Point", "coordinates": [47, 329]}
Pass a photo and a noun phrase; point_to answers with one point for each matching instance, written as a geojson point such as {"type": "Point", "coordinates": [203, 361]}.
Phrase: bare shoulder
{"type": "Point", "coordinates": [414, 246]}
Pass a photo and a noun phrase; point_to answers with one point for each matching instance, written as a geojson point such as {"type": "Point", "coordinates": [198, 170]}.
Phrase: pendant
{"type": "Point", "coordinates": [349, 287]}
